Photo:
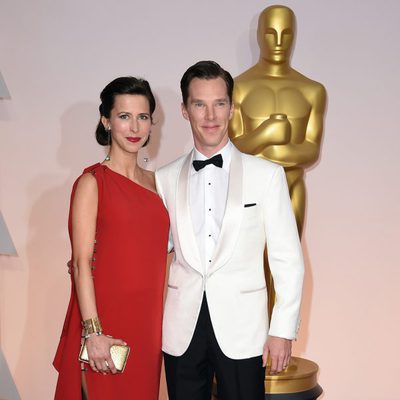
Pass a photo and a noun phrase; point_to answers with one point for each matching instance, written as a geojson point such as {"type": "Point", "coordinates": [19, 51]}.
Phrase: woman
{"type": "Point", "coordinates": [119, 231]}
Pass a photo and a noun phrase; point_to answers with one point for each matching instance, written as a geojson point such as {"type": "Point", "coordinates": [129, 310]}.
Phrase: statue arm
{"type": "Point", "coordinates": [244, 141]}
{"type": "Point", "coordinates": [236, 122]}
{"type": "Point", "coordinates": [273, 131]}
{"type": "Point", "coordinates": [306, 152]}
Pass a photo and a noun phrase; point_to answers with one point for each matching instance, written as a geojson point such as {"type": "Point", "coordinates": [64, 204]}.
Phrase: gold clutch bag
{"type": "Point", "coordinates": [119, 355]}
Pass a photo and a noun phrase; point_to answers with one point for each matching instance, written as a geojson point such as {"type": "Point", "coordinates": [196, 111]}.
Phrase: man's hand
{"type": "Point", "coordinates": [279, 350]}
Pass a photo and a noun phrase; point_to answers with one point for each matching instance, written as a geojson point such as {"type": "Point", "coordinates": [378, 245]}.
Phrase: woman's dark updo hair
{"type": "Point", "coordinates": [122, 85]}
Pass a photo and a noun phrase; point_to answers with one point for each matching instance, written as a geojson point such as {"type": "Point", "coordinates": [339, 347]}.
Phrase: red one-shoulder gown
{"type": "Point", "coordinates": [129, 274]}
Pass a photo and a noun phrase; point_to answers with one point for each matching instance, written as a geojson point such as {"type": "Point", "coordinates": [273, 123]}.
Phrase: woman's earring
{"type": "Point", "coordinates": [108, 142]}
{"type": "Point", "coordinates": [109, 135]}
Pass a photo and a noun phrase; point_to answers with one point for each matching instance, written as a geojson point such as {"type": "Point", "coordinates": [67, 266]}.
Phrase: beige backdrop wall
{"type": "Point", "coordinates": [56, 57]}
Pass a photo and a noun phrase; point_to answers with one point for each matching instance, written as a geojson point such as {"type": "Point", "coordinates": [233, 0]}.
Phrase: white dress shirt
{"type": "Point", "coordinates": [208, 193]}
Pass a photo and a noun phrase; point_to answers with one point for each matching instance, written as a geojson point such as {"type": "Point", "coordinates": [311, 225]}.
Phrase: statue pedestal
{"type": "Point", "coordinates": [297, 382]}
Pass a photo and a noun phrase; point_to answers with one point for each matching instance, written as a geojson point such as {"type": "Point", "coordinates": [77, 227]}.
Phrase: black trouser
{"type": "Point", "coordinates": [189, 377]}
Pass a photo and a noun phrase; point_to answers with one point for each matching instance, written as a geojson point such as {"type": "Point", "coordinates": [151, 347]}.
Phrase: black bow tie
{"type": "Point", "coordinates": [216, 160]}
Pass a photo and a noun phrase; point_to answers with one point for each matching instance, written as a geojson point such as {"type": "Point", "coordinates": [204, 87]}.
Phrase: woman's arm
{"type": "Point", "coordinates": [84, 215]}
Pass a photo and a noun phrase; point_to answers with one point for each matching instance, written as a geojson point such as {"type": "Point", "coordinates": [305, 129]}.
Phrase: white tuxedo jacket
{"type": "Point", "coordinates": [258, 213]}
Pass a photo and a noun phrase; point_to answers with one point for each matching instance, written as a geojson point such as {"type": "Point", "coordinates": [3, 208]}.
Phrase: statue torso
{"type": "Point", "coordinates": [261, 96]}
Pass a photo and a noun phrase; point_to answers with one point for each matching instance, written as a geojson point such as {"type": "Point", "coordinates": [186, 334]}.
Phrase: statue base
{"type": "Point", "coordinates": [297, 382]}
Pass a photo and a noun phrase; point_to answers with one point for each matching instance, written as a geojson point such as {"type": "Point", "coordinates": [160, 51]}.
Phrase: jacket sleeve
{"type": "Point", "coordinates": [284, 257]}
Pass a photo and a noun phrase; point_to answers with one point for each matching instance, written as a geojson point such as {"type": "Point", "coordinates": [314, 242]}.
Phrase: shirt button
{"type": "Point", "coordinates": [209, 183]}
{"type": "Point", "coordinates": [209, 235]}
{"type": "Point", "coordinates": [209, 209]}
{"type": "Point", "coordinates": [209, 260]}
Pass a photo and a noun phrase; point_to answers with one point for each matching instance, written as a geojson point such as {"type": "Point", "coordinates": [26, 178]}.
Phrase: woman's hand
{"type": "Point", "coordinates": [98, 348]}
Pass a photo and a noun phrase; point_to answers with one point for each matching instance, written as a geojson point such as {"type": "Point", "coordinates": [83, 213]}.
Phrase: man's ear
{"type": "Point", "coordinates": [184, 111]}
{"type": "Point", "coordinates": [231, 110]}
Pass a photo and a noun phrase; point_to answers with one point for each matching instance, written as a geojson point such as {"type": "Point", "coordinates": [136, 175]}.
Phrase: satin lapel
{"type": "Point", "coordinates": [233, 214]}
{"type": "Point", "coordinates": [187, 240]}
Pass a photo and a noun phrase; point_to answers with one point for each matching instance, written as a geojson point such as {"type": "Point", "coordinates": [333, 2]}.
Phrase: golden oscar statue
{"type": "Point", "coordinates": [278, 116]}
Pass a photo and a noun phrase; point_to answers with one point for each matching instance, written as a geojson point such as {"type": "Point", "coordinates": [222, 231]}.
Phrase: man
{"type": "Point", "coordinates": [224, 207]}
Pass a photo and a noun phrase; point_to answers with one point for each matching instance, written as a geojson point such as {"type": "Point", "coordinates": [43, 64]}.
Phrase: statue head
{"type": "Point", "coordinates": [275, 33]}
